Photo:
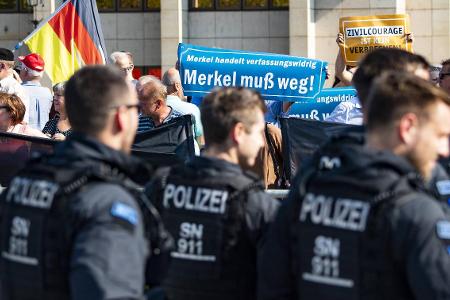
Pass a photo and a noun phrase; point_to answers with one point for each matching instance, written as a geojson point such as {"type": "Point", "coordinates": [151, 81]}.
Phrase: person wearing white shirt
{"type": "Point", "coordinates": [31, 72]}
{"type": "Point", "coordinates": [10, 85]}
{"type": "Point", "coordinates": [175, 98]}
{"type": "Point", "coordinates": [347, 112]}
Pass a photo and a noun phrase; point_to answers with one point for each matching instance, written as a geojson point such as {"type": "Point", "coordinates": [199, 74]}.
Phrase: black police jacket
{"type": "Point", "coordinates": [218, 216]}
{"type": "Point", "coordinates": [102, 228]}
{"type": "Point", "coordinates": [438, 184]}
{"type": "Point", "coordinates": [441, 180]}
{"type": "Point", "coordinates": [378, 234]}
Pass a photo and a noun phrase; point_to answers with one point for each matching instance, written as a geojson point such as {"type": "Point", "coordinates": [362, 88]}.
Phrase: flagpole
{"type": "Point", "coordinates": [20, 44]}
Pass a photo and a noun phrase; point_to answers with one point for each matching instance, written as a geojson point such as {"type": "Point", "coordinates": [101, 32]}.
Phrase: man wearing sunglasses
{"type": "Point", "coordinates": [72, 224]}
{"type": "Point", "coordinates": [444, 76]}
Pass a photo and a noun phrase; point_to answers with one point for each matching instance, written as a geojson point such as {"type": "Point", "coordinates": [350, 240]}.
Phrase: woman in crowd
{"type": "Point", "coordinates": [12, 111]}
{"type": "Point", "coordinates": [59, 127]}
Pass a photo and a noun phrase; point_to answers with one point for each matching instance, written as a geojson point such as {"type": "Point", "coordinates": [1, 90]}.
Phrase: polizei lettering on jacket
{"type": "Point", "coordinates": [341, 213]}
{"type": "Point", "coordinates": [195, 198]}
{"type": "Point", "coordinates": [30, 192]}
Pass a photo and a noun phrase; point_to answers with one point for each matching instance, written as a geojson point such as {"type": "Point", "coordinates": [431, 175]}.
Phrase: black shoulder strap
{"type": "Point", "coordinates": [160, 239]}
{"type": "Point", "coordinates": [161, 242]}
{"type": "Point", "coordinates": [161, 175]}
{"type": "Point", "coordinates": [252, 182]}
{"type": "Point", "coordinates": [304, 180]}
{"type": "Point", "coordinates": [234, 217]}
{"type": "Point", "coordinates": [398, 193]}
{"type": "Point", "coordinates": [375, 240]}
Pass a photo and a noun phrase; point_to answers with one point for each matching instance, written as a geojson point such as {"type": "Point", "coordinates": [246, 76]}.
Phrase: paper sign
{"type": "Point", "coordinates": [367, 33]}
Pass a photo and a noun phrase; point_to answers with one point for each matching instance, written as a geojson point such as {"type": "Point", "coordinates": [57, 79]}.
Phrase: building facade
{"type": "Point", "coordinates": [152, 29]}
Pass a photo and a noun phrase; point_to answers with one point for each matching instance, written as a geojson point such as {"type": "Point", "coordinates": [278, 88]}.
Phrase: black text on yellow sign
{"type": "Point", "coordinates": [367, 33]}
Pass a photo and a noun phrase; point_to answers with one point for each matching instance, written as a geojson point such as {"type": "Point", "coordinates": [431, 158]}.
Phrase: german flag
{"type": "Point", "coordinates": [69, 39]}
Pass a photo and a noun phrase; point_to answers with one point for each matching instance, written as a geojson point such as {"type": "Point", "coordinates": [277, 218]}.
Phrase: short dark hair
{"type": "Point", "coordinates": [6, 55]}
{"type": "Point", "coordinates": [445, 62]}
{"type": "Point", "coordinates": [89, 95]}
{"type": "Point", "coordinates": [381, 60]}
{"type": "Point", "coordinates": [223, 108]}
{"type": "Point", "coordinates": [393, 94]}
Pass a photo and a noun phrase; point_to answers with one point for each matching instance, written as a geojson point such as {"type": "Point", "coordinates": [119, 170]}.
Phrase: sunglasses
{"type": "Point", "coordinates": [127, 69]}
{"type": "Point", "coordinates": [442, 75]}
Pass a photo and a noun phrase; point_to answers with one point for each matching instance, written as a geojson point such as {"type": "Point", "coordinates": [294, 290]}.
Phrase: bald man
{"type": "Point", "coordinates": [175, 99]}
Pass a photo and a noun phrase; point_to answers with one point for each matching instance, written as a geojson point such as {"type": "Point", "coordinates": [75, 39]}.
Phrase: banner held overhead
{"type": "Point", "coordinates": [275, 76]}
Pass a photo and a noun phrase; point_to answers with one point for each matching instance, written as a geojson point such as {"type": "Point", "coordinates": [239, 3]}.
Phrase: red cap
{"type": "Point", "coordinates": [33, 61]}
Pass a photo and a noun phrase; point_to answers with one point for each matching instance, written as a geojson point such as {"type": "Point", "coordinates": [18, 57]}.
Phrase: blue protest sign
{"type": "Point", "coordinates": [275, 76]}
{"type": "Point", "coordinates": [323, 105]}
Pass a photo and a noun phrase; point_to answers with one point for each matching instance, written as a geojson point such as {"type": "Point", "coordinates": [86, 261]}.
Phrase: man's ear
{"type": "Point", "coordinates": [120, 119]}
{"type": "Point", "coordinates": [179, 89]}
{"type": "Point", "coordinates": [158, 103]}
{"type": "Point", "coordinates": [237, 132]}
{"type": "Point", "coordinates": [408, 128]}
{"type": "Point", "coordinates": [178, 86]}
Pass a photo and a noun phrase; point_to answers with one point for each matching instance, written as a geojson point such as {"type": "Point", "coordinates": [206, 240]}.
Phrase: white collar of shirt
{"type": "Point", "coordinates": [6, 80]}
{"type": "Point", "coordinates": [173, 98]}
{"type": "Point", "coordinates": [10, 85]}
{"type": "Point", "coordinates": [32, 83]}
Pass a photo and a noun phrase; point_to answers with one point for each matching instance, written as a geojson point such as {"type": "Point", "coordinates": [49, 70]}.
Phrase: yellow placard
{"type": "Point", "coordinates": [367, 33]}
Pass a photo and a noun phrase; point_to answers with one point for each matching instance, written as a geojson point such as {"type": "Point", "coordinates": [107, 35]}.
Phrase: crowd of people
{"type": "Point", "coordinates": [28, 104]}
{"type": "Point", "coordinates": [366, 217]}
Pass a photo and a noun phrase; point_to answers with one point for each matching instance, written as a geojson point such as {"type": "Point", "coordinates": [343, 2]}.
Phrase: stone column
{"type": "Point", "coordinates": [430, 23]}
{"type": "Point", "coordinates": [400, 6]}
{"type": "Point", "coordinates": [301, 28]}
{"type": "Point", "coordinates": [172, 12]}
{"type": "Point", "coordinates": [313, 24]}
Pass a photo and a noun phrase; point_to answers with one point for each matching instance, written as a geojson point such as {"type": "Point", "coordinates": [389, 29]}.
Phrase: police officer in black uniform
{"type": "Point", "coordinates": [359, 222]}
{"type": "Point", "coordinates": [71, 225]}
{"type": "Point", "coordinates": [217, 213]}
{"type": "Point", "coordinates": [391, 59]}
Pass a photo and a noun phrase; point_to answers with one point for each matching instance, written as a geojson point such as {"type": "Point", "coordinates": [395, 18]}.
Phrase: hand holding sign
{"type": "Point", "coordinates": [367, 33]}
